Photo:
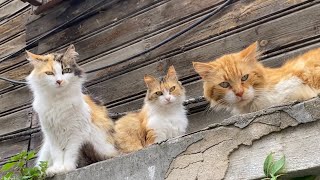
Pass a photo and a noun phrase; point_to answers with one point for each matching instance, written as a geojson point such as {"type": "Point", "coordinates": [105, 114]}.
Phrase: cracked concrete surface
{"type": "Point", "coordinates": [233, 149]}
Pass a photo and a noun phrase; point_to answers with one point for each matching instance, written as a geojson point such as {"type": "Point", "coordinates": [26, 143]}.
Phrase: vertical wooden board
{"type": "Point", "coordinates": [58, 16]}
{"type": "Point", "coordinates": [277, 33]}
{"type": "Point", "coordinates": [13, 45]}
{"type": "Point", "coordinates": [11, 147]}
{"type": "Point", "coordinates": [11, 8]}
{"type": "Point", "coordinates": [103, 20]}
{"type": "Point", "coordinates": [14, 122]}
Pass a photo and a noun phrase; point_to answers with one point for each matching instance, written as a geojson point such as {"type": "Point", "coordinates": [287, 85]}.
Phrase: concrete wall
{"type": "Point", "coordinates": [233, 149]}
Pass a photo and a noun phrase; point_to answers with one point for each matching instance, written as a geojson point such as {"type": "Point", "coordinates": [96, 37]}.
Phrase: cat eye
{"type": "Point", "coordinates": [245, 77]}
{"type": "Point", "coordinates": [66, 70]}
{"type": "Point", "coordinates": [159, 93]}
{"type": "Point", "coordinates": [49, 73]}
{"type": "Point", "coordinates": [225, 84]}
{"type": "Point", "coordinates": [172, 88]}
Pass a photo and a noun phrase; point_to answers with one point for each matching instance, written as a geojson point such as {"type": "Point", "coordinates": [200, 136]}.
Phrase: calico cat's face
{"type": "Point", "coordinates": [55, 71]}
{"type": "Point", "coordinates": [233, 79]}
{"type": "Point", "coordinates": [166, 92]}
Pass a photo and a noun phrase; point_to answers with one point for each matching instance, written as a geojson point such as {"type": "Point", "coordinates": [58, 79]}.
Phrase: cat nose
{"type": "Point", "coordinates": [239, 94]}
{"type": "Point", "coordinates": [168, 99]}
{"type": "Point", "coordinates": [59, 82]}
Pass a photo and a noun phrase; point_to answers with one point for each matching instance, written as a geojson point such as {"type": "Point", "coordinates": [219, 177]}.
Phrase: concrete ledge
{"type": "Point", "coordinates": [233, 149]}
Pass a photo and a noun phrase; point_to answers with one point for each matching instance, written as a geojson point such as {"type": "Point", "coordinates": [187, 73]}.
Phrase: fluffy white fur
{"type": "Point", "coordinates": [167, 116]}
{"type": "Point", "coordinates": [65, 120]}
{"type": "Point", "coordinates": [286, 90]}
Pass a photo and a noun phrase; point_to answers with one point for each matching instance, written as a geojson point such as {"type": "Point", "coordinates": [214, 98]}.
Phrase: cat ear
{"type": "Point", "coordinates": [150, 81]}
{"type": "Point", "coordinates": [172, 75]}
{"type": "Point", "coordinates": [35, 59]}
{"type": "Point", "coordinates": [251, 53]}
{"type": "Point", "coordinates": [69, 57]}
{"type": "Point", "coordinates": [203, 69]}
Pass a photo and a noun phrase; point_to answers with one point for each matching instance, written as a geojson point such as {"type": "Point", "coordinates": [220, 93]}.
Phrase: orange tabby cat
{"type": "Point", "coordinates": [241, 84]}
{"type": "Point", "coordinates": [163, 115]}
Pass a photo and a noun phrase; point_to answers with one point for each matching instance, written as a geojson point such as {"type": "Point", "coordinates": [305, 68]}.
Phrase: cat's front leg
{"type": "Point", "coordinates": [57, 161]}
{"type": "Point", "coordinates": [44, 154]}
{"type": "Point", "coordinates": [71, 154]}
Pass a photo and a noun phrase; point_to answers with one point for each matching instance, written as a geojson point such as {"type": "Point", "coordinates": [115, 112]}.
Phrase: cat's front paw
{"type": "Point", "coordinates": [69, 167]}
{"type": "Point", "coordinates": [54, 170]}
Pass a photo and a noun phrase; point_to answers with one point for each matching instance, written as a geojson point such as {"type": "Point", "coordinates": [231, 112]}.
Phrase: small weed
{"type": "Point", "coordinates": [272, 168]}
{"type": "Point", "coordinates": [16, 168]}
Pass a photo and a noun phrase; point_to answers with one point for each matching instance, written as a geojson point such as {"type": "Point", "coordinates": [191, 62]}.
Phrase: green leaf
{"type": "Point", "coordinates": [8, 176]}
{"type": "Point", "coordinates": [267, 164]}
{"type": "Point", "coordinates": [21, 164]}
{"type": "Point", "coordinates": [8, 166]}
{"type": "Point", "coordinates": [31, 155]}
{"type": "Point", "coordinates": [277, 166]}
{"type": "Point", "coordinates": [26, 177]}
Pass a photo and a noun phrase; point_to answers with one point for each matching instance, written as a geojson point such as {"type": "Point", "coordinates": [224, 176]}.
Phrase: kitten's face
{"type": "Point", "coordinates": [232, 80]}
{"type": "Point", "coordinates": [166, 92]}
{"type": "Point", "coordinates": [55, 71]}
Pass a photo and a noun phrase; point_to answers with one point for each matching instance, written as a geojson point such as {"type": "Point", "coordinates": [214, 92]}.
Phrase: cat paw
{"type": "Point", "coordinates": [69, 167]}
{"type": "Point", "coordinates": [52, 171]}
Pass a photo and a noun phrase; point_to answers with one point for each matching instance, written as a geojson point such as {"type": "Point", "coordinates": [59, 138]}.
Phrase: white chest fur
{"type": "Point", "coordinates": [63, 118]}
{"type": "Point", "coordinates": [168, 123]}
{"type": "Point", "coordinates": [287, 90]}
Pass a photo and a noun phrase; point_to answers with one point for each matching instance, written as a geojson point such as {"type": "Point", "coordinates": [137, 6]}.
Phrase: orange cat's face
{"type": "Point", "coordinates": [232, 80]}
{"type": "Point", "coordinates": [165, 92]}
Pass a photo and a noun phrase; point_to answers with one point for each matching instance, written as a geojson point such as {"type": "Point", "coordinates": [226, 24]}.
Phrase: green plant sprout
{"type": "Point", "coordinates": [16, 168]}
{"type": "Point", "coordinates": [272, 168]}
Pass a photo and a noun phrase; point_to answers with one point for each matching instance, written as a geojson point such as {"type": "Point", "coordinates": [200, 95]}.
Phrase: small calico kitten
{"type": "Point", "coordinates": [69, 119]}
{"type": "Point", "coordinates": [241, 84]}
{"type": "Point", "coordinates": [163, 115]}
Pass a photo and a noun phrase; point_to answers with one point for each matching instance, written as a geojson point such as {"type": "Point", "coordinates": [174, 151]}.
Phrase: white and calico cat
{"type": "Point", "coordinates": [162, 116]}
{"type": "Point", "coordinates": [69, 119]}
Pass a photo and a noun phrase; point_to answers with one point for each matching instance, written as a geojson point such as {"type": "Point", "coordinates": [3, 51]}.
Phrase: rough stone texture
{"type": "Point", "coordinates": [233, 149]}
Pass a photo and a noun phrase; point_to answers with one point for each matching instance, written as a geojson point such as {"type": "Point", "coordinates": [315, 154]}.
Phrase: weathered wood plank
{"type": "Point", "coordinates": [18, 73]}
{"type": "Point", "coordinates": [104, 20]}
{"type": "Point", "coordinates": [11, 8]}
{"type": "Point", "coordinates": [236, 16]}
{"type": "Point", "coordinates": [59, 15]}
{"type": "Point", "coordinates": [13, 45]}
{"type": "Point", "coordinates": [230, 20]}
{"type": "Point", "coordinates": [136, 27]}
{"type": "Point", "coordinates": [36, 141]}
{"type": "Point", "coordinates": [21, 97]}
{"type": "Point", "coordinates": [15, 122]}
{"type": "Point", "coordinates": [13, 26]}
{"type": "Point", "coordinates": [11, 147]}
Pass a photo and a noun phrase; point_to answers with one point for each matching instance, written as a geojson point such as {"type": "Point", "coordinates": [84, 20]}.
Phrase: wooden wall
{"type": "Point", "coordinates": [123, 28]}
